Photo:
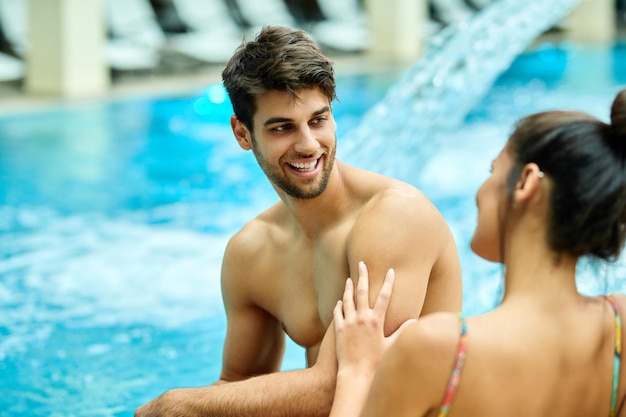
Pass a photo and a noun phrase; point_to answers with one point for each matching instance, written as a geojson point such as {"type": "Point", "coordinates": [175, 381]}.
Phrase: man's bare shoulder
{"type": "Point", "coordinates": [400, 198]}
{"type": "Point", "coordinates": [254, 235]}
{"type": "Point", "coordinates": [400, 203]}
{"type": "Point", "coordinates": [388, 194]}
{"type": "Point", "coordinates": [435, 334]}
{"type": "Point", "coordinates": [427, 348]}
{"type": "Point", "coordinates": [255, 240]}
{"type": "Point", "coordinates": [400, 224]}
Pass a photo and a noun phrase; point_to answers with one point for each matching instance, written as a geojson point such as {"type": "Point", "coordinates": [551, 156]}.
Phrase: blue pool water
{"type": "Point", "coordinates": [114, 217]}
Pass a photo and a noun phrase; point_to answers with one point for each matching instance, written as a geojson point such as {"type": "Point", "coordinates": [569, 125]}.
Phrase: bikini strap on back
{"type": "Point", "coordinates": [455, 377]}
{"type": "Point", "coordinates": [617, 353]}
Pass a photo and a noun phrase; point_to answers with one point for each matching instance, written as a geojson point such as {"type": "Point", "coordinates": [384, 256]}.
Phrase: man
{"type": "Point", "coordinates": [284, 271]}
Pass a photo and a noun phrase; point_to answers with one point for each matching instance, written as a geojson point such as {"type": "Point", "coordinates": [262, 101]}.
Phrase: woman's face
{"type": "Point", "coordinates": [492, 202]}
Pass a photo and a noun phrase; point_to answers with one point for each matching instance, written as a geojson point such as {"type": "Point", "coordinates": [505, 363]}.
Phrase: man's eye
{"type": "Point", "coordinates": [280, 128]}
{"type": "Point", "coordinates": [319, 120]}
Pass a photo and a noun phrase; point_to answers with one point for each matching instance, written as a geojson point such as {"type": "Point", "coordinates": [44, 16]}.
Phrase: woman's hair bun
{"type": "Point", "coordinates": [618, 118]}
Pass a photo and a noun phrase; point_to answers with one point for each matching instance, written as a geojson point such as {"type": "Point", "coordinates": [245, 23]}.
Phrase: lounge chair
{"type": "Point", "coordinates": [118, 53]}
{"type": "Point", "coordinates": [212, 33]}
{"type": "Point", "coordinates": [11, 68]}
{"type": "Point", "coordinates": [267, 12]}
{"type": "Point", "coordinates": [344, 27]}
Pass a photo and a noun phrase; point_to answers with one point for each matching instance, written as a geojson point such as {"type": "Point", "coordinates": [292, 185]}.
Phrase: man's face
{"type": "Point", "coordinates": [294, 141]}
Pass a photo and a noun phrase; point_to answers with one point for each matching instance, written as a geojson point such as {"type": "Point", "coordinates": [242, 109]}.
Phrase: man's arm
{"type": "Point", "coordinates": [403, 230]}
{"type": "Point", "coordinates": [299, 393]}
{"type": "Point", "coordinates": [255, 340]}
{"type": "Point", "coordinates": [250, 384]}
{"type": "Point", "coordinates": [417, 243]}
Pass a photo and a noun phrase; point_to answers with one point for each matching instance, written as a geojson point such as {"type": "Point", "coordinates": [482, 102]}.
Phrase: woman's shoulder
{"type": "Point", "coordinates": [422, 358]}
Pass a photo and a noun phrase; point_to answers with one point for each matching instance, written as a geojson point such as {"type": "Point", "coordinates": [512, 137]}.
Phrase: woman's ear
{"type": "Point", "coordinates": [528, 184]}
{"type": "Point", "coordinates": [241, 132]}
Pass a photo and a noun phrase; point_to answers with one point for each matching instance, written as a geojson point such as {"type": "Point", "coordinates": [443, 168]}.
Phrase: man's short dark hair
{"type": "Point", "coordinates": [279, 58]}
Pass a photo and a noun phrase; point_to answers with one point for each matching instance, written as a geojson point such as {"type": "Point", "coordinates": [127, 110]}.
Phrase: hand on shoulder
{"type": "Point", "coordinates": [359, 328]}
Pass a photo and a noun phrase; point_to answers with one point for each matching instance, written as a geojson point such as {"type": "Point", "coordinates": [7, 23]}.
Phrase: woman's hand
{"type": "Point", "coordinates": [360, 341]}
{"type": "Point", "coordinates": [359, 329]}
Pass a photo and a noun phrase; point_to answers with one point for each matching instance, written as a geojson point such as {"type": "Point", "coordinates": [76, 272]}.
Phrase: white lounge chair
{"type": "Point", "coordinates": [209, 40]}
{"type": "Point", "coordinates": [13, 22]}
{"type": "Point", "coordinates": [119, 54]}
{"type": "Point", "coordinates": [11, 68]}
{"type": "Point", "coordinates": [123, 55]}
{"type": "Point", "coordinates": [345, 26]}
{"type": "Point", "coordinates": [213, 35]}
{"type": "Point", "coordinates": [267, 12]}
{"type": "Point", "coordinates": [134, 21]}
{"type": "Point", "coordinates": [136, 38]}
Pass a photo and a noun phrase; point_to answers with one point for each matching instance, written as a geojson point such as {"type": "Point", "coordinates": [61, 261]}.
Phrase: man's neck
{"type": "Point", "coordinates": [316, 215]}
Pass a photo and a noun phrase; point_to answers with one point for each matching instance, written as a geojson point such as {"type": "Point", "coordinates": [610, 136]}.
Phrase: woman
{"type": "Point", "coordinates": [557, 192]}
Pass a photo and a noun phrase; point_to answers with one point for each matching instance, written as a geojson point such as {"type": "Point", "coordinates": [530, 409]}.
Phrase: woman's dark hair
{"type": "Point", "coordinates": [280, 58]}
{"type": "Point", "coordinates": [585, 161]}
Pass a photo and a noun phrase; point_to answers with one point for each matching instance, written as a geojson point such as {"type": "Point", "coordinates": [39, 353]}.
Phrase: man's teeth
{"type": "Point", "coordinates": [309, 166]}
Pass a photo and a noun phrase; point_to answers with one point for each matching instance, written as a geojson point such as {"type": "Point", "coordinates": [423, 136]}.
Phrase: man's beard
{"type": "Point", "coordinates": [275, 175]}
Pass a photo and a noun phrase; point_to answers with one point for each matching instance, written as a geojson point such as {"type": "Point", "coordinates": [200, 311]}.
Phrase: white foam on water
{"type": "Point", "coordinates": [90, 270]}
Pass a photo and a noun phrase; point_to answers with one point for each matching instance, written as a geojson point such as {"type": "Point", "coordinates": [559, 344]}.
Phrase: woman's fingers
{"type": "Point", "coordinates": [362, 290]}
{"type": "Point", "coordinates": [338, 314]}
{"type": "Point", "coordinates": [348, 304]}
{"type": "Point", "coordinates": [348, 298]}
{"type": "Point", "coordinates": [382, 301]}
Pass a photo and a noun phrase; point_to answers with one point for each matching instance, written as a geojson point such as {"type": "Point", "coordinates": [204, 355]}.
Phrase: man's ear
{"type": "Point", "coordinates": [241, 132]}
{"type": "Point", "coordinates": [528, 184]}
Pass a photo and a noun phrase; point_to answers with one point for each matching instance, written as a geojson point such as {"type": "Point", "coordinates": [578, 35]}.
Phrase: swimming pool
{"type": "Point", "coordinates": [114, 217]}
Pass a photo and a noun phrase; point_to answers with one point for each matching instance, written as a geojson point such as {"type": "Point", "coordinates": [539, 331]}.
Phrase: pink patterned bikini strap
{"type": "Point", "coordinates": [455, 377]}
{"type": "Point", "coordinates": [617, 353]}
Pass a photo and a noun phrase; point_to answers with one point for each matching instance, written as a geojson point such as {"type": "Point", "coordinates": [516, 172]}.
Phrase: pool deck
{"type": "Point", "coordinates": [191, 78]}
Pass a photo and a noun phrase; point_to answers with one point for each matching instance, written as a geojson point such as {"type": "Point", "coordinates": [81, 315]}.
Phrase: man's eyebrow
{"type": "Point", "coordinates": [322, 110]}
{"type": "Point", "coordinates": [273, 120]}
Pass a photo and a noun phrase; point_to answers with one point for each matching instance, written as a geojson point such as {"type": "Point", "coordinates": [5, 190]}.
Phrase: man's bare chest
{"type": "Point", "coordinates": [307, 285]}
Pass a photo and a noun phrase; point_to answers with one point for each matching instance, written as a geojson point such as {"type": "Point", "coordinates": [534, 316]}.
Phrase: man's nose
{"type": "Point", "coordinates": [306, 142]}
